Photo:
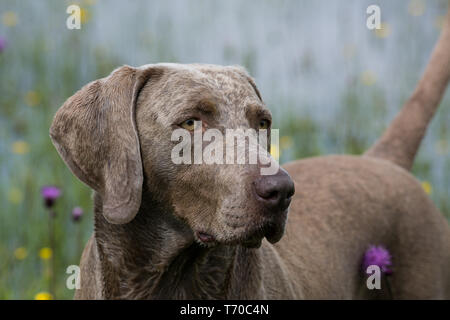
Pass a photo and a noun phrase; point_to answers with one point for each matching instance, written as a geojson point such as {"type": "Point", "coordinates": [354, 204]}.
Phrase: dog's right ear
{"type": "Point", "coordinates": [95, 134]}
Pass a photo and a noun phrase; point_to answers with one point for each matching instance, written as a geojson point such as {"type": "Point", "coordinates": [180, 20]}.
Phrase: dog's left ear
{"type": "Point", "coordinates": [95, 134]}
{"type": "Point", "coordinates": [241, 70]}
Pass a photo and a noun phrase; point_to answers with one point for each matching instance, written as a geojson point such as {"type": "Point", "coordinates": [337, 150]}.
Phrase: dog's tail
{"type": "Point", "coordinates": [401, 140]}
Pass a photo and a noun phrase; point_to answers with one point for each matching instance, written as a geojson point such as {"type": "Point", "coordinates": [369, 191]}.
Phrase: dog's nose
{"type": "Point", "coordinates": [274, 191]}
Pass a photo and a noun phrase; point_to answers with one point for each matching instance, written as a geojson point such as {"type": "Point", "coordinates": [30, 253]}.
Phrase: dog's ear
{"type": "Point", "coordinates": [241, 70]}
{"type": "Point", "coordinates": [253, 84]}
{"type": "Point", "coordinates": [95, 134]}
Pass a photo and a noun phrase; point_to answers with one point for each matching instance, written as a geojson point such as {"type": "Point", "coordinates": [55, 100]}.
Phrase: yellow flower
{"type": "Point", "coordinates": [15, 196]}
{"type": "Point", "coordinates": [32, 98]}
{"type": "Point", "coordinates": [427, 187]}
{"type": "Point", "coordinates": [45, 253]}
{"type": "Point", "coordinates": [286, 142]}
{"type": "Point", "coordinates": [43, 296]}
{"type": "Point", "coordinates": [85, 15]}
{"type": "Point", "coordinates": [368, 78]}
{"type": "Point", "coordinates": [9, 19]}
{"type": "Point", "coordinates": [20, 147]}
{"type": "Point", "coordinates": [274, 151]}
{"type": "Point", "coordinates": [20, 253]}
{"type": "Point", "coordinates": [416, 7]}
{"type": "Point", "coordinates": [384, 31]}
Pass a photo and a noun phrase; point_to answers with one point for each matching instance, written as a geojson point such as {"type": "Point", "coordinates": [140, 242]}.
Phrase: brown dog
{"type": "Point", "coordinates": [196, 231]}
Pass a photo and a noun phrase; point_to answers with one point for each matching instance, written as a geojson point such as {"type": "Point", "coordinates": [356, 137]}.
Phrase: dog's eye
{"type": "Point", "coordinates": [189, 124]}
{"type": "Point", "coordinates": [264, 124]}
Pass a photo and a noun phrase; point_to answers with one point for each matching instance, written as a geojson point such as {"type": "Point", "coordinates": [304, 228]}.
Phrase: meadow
{"type": "Point", "coordinates": [332, 85]}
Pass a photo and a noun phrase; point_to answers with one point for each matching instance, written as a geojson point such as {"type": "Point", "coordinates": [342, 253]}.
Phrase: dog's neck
{"type": "Point", "coordinates": [155, 257]}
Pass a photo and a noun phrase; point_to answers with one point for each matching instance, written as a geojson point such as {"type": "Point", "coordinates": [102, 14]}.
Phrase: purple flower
{"type": "Point", "coordinates": [77, 212]}
{"type": "Point", "coordinates": [379, 256]}
{"type": "Point", "coordinates": [50, 194]}
{"type": "Point", "coordinates": [2, 44]}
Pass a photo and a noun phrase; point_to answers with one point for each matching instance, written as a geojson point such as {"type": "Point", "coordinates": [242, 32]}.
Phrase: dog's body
{"type": "Point", "coordinates": [342, 204]}
{"type": "Point", "coordinates": [166, 232]}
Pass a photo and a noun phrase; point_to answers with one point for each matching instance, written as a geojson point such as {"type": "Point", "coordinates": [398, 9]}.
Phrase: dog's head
{"type": "Point", "coordinates": [117, 130]}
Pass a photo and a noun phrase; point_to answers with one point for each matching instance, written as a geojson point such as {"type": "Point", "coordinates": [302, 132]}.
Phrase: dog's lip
{"type": "Point", "coordinates": [273, 231]}
{"type": "Point", "coordinates": [270, 231]}
{"type": "Point", "coordinates": [205, 237]}
{"type": "Point", "coordinates": [254, 242]}
{"type": "Point", "coordinates": [274, 234]}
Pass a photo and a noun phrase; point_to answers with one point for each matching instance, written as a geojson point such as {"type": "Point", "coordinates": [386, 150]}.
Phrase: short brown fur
{"type": "Point", "coordinates": [114, 134]}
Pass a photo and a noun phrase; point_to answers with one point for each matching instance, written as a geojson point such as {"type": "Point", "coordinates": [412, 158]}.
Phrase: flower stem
{"type": "Point", "coordinates": [388, 288]}
{"type": "Point", "coordinates": [51, 234]}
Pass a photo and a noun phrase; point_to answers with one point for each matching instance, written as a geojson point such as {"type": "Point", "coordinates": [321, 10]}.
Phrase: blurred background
{"type": "Point", "coordinates": [332, 85]}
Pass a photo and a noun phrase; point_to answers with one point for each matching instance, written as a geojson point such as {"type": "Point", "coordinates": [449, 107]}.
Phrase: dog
{"type": "Point", "coordinates": [166, 231]}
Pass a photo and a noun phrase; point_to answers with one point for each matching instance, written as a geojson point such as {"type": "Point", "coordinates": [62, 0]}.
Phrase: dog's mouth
{"type": "Point", "coordinates": [205, 238]}
{"type": "Point", "coordinates": [273, 232]}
